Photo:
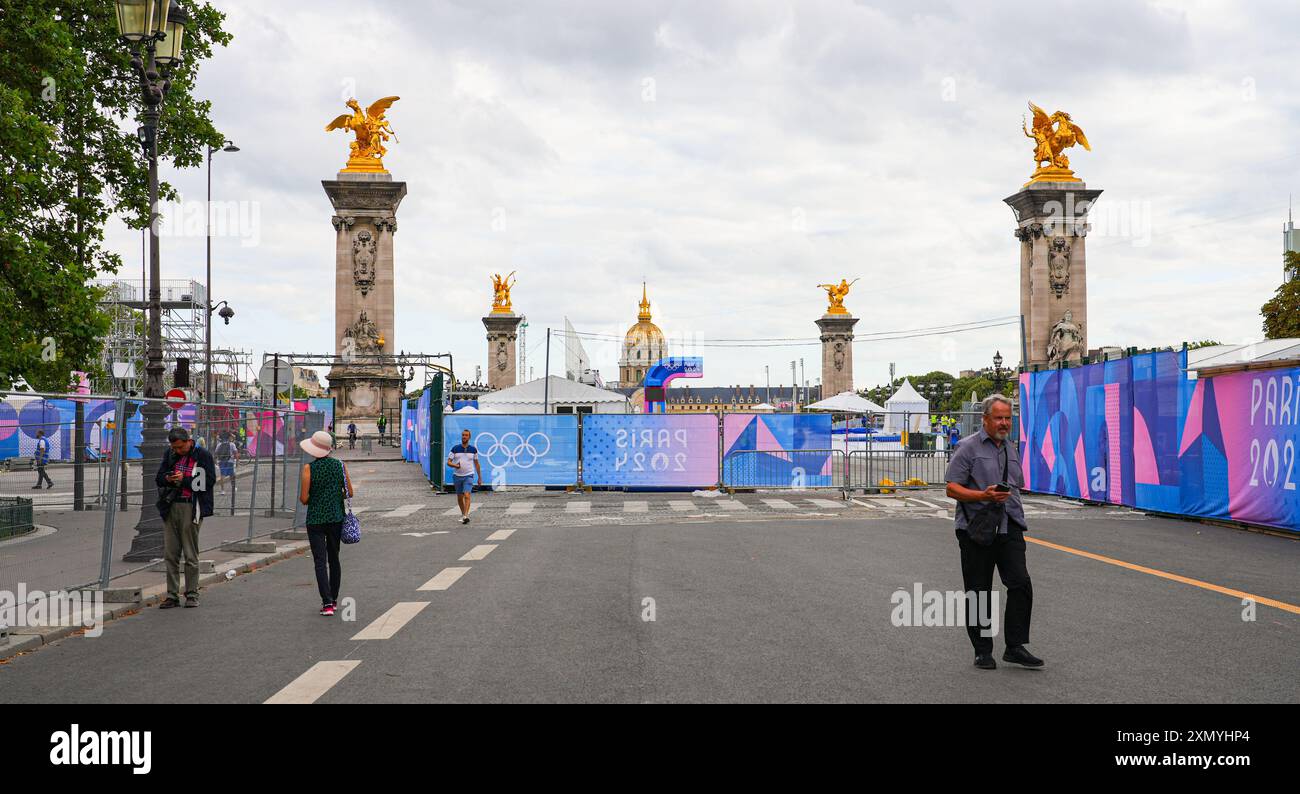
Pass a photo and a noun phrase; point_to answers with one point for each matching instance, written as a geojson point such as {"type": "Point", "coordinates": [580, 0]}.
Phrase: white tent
{"type": "Point", "coordinates": [761, 407]}
{"type": "Point", "coordinates": [469, 409]}
{"type": "Point", "coordinates": [907, 400]}
{"type": "Point", "coordinates": [846, 403]}
{"type": "Point", "coordinates": [556, 394]}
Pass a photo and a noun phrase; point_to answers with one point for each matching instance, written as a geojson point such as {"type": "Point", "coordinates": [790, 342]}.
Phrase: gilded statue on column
{"type": "Point", "coordinates": [501, 293]}
{"type": "Point", "coordinates": [371, 130]}
{"type": "Point", "coordinates": [1050, 142]}
{"type": "Point", "coordinates": [835, 294]}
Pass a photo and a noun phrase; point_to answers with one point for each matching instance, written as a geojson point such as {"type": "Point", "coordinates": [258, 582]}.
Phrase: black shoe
{"type": "Point", "coordinates": [191, 602]}
{"type": "Point", "coordinates": [1017, 654]}
{"type": "Point", "coordinates": [984, 661]}
{"type": "Point", "coordinates": [36, 487]}
{"type": "Point", "coordinates": [51, 485]}
{"type": "Point", "coordinates": [169, 603]}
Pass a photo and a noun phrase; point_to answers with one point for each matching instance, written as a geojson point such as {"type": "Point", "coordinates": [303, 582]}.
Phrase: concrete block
{"type": "Point", "coordinates": [290, 534]}
{"type": "Point", "coordinates": [123, 595]}
{"type": "Point", "coordinates": [251, 547]}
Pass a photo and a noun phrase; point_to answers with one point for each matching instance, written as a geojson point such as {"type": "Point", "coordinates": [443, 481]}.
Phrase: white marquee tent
{"type": "Point", "coordinates": [846, 403]}
{"type": "Point", "coordinates": [907, 400]}
{"type": "Point", "coordinates": [562, 396]}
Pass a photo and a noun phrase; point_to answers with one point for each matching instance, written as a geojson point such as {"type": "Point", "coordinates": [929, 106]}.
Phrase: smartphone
{"type": "Point", "coordinates": [1003, 487]}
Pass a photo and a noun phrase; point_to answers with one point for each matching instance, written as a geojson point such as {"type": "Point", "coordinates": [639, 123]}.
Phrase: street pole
{"type": "Point", "coordinates": [546, 383]}
{"type": "Point", "coordinates": [767, 373]}
{"type": "Point", "coordinates": [147, 543]}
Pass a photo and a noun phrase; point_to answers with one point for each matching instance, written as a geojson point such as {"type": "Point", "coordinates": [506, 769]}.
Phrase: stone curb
{"type": "Point", "coordinates": [22, 640]}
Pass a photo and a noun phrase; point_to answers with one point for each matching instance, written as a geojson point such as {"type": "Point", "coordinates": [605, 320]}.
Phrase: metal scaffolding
{"type": "Point", "coordinates": [183, 315]}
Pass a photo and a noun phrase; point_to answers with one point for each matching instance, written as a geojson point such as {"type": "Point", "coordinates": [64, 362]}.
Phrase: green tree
{"type": "Point", "coordinates": [68, 103]}
{"type": "Point", "coordinates": [1282, 312]}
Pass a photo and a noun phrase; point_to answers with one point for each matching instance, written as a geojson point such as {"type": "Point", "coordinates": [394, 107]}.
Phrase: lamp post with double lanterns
{"type": "Point", "coordinates": [154, 31]}
{"type": "Point", "coordinates": [998, 372]}
{"type": "Point", "coordinates": [227, 312]}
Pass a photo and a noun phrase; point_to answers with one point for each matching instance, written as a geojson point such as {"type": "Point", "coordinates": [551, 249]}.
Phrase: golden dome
{"type": "Point", "coordinates": [644, 345]}
{"type": "Point", "coordinates": [644, 333]}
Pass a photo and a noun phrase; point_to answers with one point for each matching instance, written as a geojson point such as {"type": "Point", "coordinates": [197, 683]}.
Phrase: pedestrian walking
{"type": "Point", "coordinates": [352, 435]}
{"type": "Point", "coordinates": [985, 478]}
{"type": "Point", "coordinates": [465, 467]}
{"type": "Point", "coordinates": [382, 423]}
{"type": "Point", "coordinates": [40, 458]}
{"type": "Point", "coordinates": [225, 454]}
{"type": "Point", "coordinates": [184, 478]}
{"type": "Point", "coordinates": [325, 484]}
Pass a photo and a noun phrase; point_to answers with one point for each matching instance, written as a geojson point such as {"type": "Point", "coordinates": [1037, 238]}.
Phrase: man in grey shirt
{"type": "Point", "coordinates": [974, 474]}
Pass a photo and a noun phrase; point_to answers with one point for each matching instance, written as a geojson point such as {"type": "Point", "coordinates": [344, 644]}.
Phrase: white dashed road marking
{"type": "Point", "coordinates": [827, 504]}
{"type": "Point", "coordinates": [318, 680]}
{"type": "Point", "coordinates": [636, 507]}
{"type": "Point", "coordinates": [681, 505]}
{"type": "Point", "coordinates": [402, 512]}
{"type": "Point", "coordinates": [501, 534]}
{"type": "Point", "coordinates": [578, 507]}
{"type": "Point", "coordinates": [478, 552]}
{"type": "Point", "coordinates": [445, 578]}
{"type": "Point", "coordinates": [518, 508]}
{"type": "Point", "coordinates": [389, 623]}
{"type": "Point", "coordinates": [779, 504]}
{"type": "Point", "coordinates": [731, 504]}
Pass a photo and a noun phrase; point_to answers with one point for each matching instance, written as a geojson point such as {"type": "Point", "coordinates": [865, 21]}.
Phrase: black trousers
{"type": "Point", "coordinates": [1007, 554]}
{"type": "Point", "coordinates": [325, 540]}
{"type": "Point", "coordinates": [42, 477]}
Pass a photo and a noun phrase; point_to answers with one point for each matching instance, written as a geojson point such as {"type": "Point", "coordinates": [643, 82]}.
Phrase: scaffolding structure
{"type": "Point", "coordinates": [183, 315]}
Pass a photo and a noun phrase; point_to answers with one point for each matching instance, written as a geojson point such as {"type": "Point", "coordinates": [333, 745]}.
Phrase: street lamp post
{"type": "Point", "coordinates": [227, 312]}
{"type": "Point", "coordinates": [997, 371]}
{"type": "Point", "coordinates": [155, 32]}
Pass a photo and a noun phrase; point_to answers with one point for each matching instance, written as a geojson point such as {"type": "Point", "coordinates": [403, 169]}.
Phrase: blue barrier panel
{"type": "Point", "coordinates": [777, 435]}
{"type": "Point", "coordinates": [519, 449]}
{"type": "Point", "coordinates": [650, 450]}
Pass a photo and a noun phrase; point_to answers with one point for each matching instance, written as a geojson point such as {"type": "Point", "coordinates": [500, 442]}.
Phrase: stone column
{"type": "Point", "coordinates": [1052, 227]}
{"type": "Point", "coordinates": [837, 353]}
{"type": "Point", "coordinates": [502, 330]}
{"type": "Point", "coordinates": [365, 220]}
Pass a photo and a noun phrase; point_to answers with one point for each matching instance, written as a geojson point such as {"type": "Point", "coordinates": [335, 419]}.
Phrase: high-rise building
{"type": "Point", "coordinates": [1290, 242]}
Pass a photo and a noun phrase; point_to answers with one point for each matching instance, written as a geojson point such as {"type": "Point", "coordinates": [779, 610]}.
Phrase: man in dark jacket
{"type": "Point", "coordinates": [184, 479]}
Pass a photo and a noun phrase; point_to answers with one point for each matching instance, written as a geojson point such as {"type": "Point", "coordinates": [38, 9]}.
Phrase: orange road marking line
{"type": "Point", "coordinates": [1172, 576]}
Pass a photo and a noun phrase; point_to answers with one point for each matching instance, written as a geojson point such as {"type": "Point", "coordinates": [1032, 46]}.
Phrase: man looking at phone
{"type": "Point", "coordinates": [975, 479]}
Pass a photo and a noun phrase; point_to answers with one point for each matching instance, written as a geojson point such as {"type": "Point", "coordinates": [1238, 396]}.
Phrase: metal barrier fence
{"type": "Point", "coordinates": [93, 511]}
{"type": "Point", "coordinates": [795, 469]}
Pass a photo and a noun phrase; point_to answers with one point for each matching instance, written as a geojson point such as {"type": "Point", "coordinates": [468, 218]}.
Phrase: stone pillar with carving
{"type": "Point", "coordinates": [502, 331]}
{"type": "Point", "coordinates": [1052, 227]}
{"type": "Point", "coordinates": [365, 220]}
{"type": "Point", "coordinates": [837, 352]}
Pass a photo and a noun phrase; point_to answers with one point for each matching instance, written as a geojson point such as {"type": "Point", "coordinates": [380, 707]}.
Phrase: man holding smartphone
{"type": "Point", "coordinates": [975, 478]}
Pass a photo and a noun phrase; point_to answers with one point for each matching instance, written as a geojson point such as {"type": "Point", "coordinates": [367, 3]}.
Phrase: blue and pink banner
{"type": "Point", "coordinates": [650, 450]}
{"type": "Point", "coordinates": [764, 449]}
{"type": "Point", "coordinates": [1139, 432]}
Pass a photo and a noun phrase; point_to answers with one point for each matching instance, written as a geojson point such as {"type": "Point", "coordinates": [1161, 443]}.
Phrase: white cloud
{"type": "Point", "coordinates": [735, 154]}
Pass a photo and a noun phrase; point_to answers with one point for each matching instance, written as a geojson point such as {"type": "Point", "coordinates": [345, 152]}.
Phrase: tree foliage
{"type": "Point", "coordinates": [71, 160]}
{"type": "Point", "coordinates": [1282, 312]}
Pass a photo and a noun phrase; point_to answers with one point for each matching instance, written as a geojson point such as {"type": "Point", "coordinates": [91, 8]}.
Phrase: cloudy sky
{"type": "Point", "coordinates": [736, 154]}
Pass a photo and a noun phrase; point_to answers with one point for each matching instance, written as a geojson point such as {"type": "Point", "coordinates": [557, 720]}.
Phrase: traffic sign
{"type": "Point", "coordinates": [176, 399]}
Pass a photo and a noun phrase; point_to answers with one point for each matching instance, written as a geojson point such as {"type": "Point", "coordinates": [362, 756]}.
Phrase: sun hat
{"type": "Point", "coordinates": [319, 445]}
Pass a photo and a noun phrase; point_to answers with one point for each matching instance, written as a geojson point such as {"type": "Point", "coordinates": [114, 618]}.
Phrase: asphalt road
{"type": "Point", "coordinates": [759, 604]}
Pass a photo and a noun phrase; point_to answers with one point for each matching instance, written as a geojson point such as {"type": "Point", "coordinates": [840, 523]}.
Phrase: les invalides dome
{"type": "Point", "coordinates": [643, 346]}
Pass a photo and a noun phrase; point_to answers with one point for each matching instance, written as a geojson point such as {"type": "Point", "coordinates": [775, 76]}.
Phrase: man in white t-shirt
{"type": "Point", "coordinates": [463, 461]}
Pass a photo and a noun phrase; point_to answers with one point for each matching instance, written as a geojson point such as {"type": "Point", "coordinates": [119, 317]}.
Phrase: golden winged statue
{"type": "Point", "coordinates": [835, 294]}
{"type": "Point", "coordinates": [1049, 144]}
{"type": "Point", "coordinates": [501, 293]}
{"type": "Point", "coordinates": [371, 130]}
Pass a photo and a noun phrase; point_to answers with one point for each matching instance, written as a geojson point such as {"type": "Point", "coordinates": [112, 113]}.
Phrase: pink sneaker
{"type": "Point", "coordinates": [327, 610]}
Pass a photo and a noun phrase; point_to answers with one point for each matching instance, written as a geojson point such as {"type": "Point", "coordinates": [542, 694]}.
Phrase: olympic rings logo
{"type": "Point", "coordinates": [515, 449]}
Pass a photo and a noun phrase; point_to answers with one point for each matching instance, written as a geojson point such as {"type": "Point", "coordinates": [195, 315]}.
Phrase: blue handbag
{"type": "Point", "coordinates": [351, 524]}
